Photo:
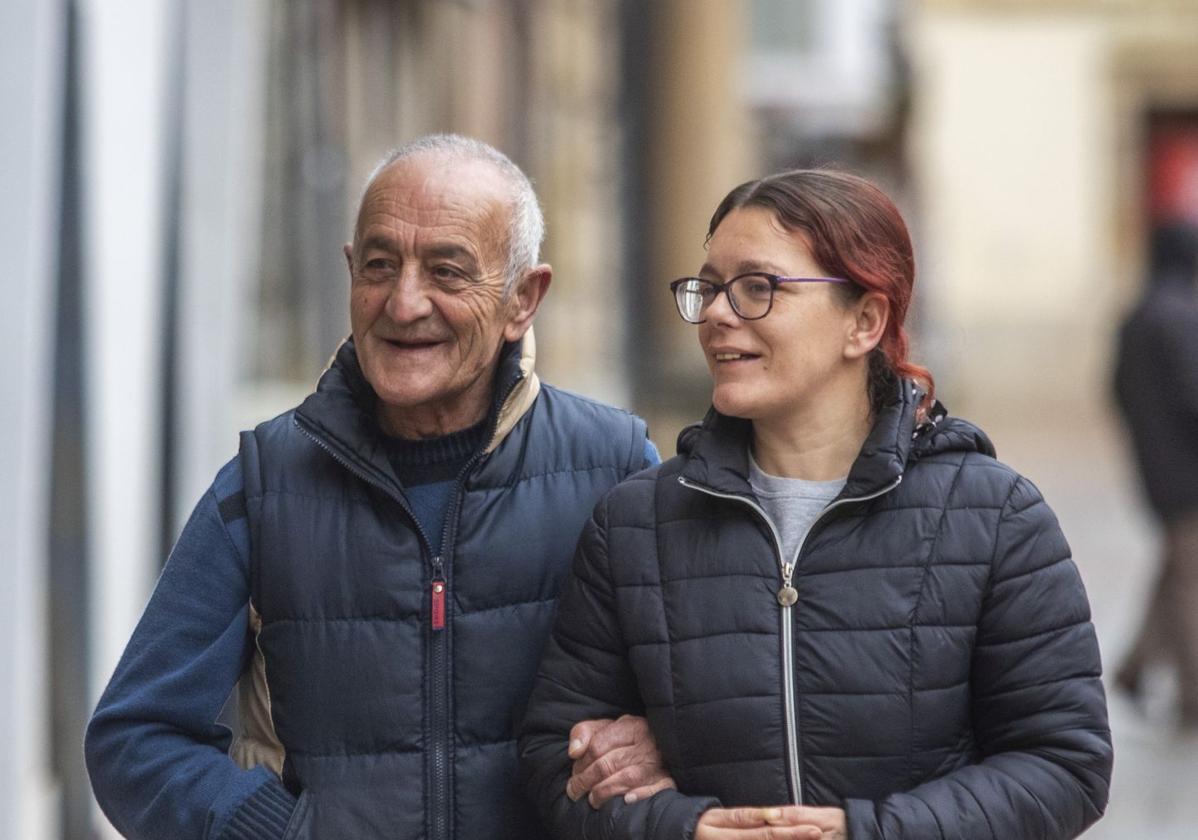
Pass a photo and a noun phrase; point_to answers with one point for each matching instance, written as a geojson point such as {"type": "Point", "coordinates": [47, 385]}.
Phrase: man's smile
{"type": "Point", "coordinates": [413, 344]}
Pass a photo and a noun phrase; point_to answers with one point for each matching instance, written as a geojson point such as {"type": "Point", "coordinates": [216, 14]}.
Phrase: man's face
{"type": "Point", "coordinates": [427, 306]}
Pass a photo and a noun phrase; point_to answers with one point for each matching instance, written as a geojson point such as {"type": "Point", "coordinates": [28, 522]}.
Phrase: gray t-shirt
{"type": "Point", "coordinates": [792, 503]}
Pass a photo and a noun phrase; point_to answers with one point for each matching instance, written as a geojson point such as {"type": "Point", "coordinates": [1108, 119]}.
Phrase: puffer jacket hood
{"type": "Point", "coordinates": [716, 449]}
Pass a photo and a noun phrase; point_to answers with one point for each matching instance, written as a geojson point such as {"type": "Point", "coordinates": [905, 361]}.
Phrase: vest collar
{"type": "Point", "coordinates": [341, 412]}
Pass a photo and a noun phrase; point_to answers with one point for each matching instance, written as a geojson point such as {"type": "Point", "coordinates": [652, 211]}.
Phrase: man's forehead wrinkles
{"type": "Point", "coordinates": [400, 206]}
{"type": "Point", "coordinates": [427, 242]}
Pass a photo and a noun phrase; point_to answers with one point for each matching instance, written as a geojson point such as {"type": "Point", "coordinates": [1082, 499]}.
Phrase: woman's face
{"type": "Point", "coordinates": [780, 365]}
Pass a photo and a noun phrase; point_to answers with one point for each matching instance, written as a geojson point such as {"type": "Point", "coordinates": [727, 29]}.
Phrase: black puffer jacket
{"type": "Point", "coordinates": [944, 671]}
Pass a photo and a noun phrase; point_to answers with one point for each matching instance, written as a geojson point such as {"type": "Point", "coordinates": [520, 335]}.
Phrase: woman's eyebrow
{"type": "Point", "coordinates": [742, 267]}
{"type": "Point", "coordinates": [750, 266]}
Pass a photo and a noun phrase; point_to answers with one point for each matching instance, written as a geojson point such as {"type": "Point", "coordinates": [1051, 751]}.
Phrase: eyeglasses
{"type": "Point", "coordinates": [751, 295]}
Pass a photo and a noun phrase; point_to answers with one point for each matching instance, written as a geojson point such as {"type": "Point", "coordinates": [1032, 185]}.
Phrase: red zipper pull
{"type": "Point", "coordinates": [438, 602]}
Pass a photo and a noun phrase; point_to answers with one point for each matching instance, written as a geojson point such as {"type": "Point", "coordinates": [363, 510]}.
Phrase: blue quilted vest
{"type": "Point", "coordinates": [396, 716]}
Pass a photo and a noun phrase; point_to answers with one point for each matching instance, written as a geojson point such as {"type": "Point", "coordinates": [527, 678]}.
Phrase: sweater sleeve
{"type": "Point", "coordinates": [652, 456]}
{"type": "Point", "coordinates": [1039, 712]}
{"type": "Point", "coordinates": [585, 675]}
{"type": "Point", "coordinates": [157, 759]}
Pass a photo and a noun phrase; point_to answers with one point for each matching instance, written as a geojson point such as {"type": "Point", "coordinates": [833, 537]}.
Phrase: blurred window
{"type": "Point", "coordinates": [783, 25]}
{"type": "Point", "coordinates": [828, 63]}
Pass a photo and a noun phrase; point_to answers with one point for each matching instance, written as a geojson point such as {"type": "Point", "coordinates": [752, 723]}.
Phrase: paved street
{"type": "Point", "coordinates": [1087, 478]}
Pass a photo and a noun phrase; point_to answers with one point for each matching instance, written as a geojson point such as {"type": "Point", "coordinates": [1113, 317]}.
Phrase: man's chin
{"type": "Point", "coordinates": [407, 397]}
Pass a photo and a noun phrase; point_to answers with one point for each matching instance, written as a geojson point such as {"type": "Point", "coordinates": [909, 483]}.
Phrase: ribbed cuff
{"type": "Point", "coordinates": [263, 816]}
{"type": "Point", "coordinates": [678, 814]}
{"type": "Point", "coordinates": [861, 819]}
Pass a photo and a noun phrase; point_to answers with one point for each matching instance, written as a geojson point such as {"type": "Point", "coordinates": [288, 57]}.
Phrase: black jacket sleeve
{"type": "Point", "coordinates": [585, 675]}
{"type": "Point", "coordinates": [1039, 712]}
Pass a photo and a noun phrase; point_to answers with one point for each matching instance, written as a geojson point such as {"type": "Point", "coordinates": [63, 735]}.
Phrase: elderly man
{"type": "Point", "coordinates": [378, 569]}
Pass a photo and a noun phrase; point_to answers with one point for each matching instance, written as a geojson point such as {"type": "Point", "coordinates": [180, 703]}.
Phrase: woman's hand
{"type": "Point", "coordinates": [792, 822]}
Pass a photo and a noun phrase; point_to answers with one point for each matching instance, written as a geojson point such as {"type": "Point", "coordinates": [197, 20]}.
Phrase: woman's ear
{"type": "Point", "coordinates": [870, 314]}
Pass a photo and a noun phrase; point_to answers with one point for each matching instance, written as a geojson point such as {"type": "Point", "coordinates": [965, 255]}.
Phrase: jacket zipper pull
{"type": "Point", "coordinates": [437, 594]}
{"type": "Point", "coordinates": [787, 595]}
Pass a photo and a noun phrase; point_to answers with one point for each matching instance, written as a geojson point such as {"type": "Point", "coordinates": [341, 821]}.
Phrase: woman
{"type": "Point", "coordinates": [833, 597]}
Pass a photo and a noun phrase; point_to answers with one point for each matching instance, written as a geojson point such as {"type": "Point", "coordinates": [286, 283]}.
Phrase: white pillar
{"type": "Point", "coordinates": [32, 59]}
{"type": "Point", "coordinates": [124, 73]}
{"type": "Point", "coordinates": [223, 124]}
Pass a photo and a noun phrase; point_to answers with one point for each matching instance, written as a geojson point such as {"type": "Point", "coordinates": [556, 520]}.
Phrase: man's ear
{"type": "Point", "coordinates": [524, 300]}
{"type": "Point", "coordinates": [348, 250]}
{"type": "Point", "coordinates": [870, 314]}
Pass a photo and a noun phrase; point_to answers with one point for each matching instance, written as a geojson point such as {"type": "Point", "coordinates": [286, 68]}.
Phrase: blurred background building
{"type": "Point", "coordinates": [179, 175]}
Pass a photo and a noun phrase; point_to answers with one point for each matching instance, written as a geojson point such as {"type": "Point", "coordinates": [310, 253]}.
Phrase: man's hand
{"type": "Point", "coordinates": [793, 822]}
{"type": "Point", "coordinates": [613, 758]}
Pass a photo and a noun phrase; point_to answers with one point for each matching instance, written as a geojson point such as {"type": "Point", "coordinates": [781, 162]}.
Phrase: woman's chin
{"type": "Point", "coordinates": [732, 404]}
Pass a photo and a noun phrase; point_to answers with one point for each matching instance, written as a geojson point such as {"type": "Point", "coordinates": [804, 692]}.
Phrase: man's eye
{"type": "Point", "coordinates": [378, 264]}
{"type": "Point", "coordinates": [447, 274]}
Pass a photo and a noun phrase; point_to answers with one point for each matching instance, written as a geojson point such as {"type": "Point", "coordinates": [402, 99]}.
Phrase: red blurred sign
{"type": "Point", "coordinates": [1173, 168]}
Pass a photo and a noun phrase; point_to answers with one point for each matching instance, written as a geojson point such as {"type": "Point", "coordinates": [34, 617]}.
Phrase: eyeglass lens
{"type": "Point", "coordinates": [749, 294]}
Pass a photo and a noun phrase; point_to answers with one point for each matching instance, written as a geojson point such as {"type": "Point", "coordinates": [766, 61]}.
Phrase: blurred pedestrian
{"type": "Point", "coordinates": [839, 613]}
{"type": "Point", "coordinates": [1156, 385]}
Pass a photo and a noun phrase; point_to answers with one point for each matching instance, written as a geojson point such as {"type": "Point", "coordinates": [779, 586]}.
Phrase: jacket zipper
{"type": "Point", "coordinates": [787, 604]}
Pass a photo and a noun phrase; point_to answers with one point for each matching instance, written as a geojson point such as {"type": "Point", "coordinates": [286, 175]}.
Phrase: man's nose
{"type": "Point", "coordinates": [409, 299]}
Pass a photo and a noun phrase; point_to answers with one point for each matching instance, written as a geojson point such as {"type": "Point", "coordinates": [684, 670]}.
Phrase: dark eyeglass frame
{"type": "Point", "coordinates": [775, 281]}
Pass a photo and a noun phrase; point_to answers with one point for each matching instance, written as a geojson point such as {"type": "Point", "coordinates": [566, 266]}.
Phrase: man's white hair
{"type": "Point", "coordinates": [526, 230]}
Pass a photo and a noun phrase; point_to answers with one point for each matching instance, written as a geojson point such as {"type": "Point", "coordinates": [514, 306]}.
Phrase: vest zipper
{"type": "Point", "coordinates": [438, 684]}
{"type": "Point", "coordinates": [440, 724]}
{"type": "Point", "coordinates": [441, 687]}
{"type": "Point", "coordinates": [440, 730]}
{"type": "Point", "coordinates": [437, 605]}
{"type": "Point", "coordinates": [787, 597]}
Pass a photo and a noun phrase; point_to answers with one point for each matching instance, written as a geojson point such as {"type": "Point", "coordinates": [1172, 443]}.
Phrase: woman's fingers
{"type": "Point", "coordinates": [753, 824]}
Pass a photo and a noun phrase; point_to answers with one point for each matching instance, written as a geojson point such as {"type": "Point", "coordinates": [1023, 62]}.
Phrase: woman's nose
{"type": "Point", "coordinates": [720, 310]}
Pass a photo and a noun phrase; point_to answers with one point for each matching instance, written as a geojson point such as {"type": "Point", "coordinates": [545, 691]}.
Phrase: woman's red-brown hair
{"type": "Point", "coordinates": [854, 231]}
